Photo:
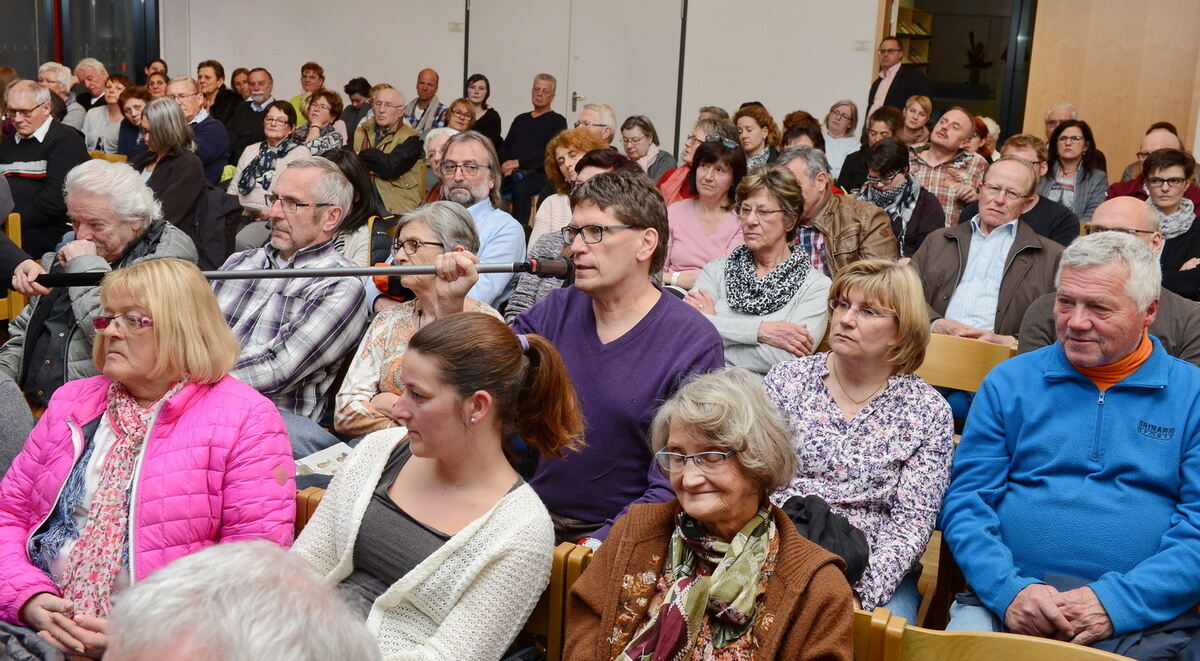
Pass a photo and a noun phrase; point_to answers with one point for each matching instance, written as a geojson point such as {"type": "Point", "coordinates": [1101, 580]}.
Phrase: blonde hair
{"type": "Point", "coordinates": [190, 333]}
{"type": "Point", "coordinates": [729, 409]}
{"type": "Point", "coordinates": [896, 287]}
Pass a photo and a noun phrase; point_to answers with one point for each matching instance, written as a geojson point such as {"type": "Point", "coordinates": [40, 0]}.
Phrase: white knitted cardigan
{"type": "Point", "coordinates": [466, 601]}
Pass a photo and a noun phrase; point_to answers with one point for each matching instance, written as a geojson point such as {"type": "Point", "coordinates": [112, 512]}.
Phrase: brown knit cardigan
{"type": "Point", "coordinates": [808, 612]}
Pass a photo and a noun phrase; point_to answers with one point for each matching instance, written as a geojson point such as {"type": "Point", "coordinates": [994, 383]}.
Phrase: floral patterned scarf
{"type": "Point", "coordinates": [729, 592]}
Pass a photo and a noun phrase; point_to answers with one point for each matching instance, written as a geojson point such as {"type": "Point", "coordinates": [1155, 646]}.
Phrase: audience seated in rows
{"type": "Point", "coordinates": [718, 571]}
{"type": "Point", "coordinates": [425, 111]}
{"type": "Point", "coordinates": [432, 536]}
{"type": "Point", "coordinates": [523, 150]}
{"type": "Point", "coordinates": [312, 77]}
{"type": "Point", "coordinates": [915, 213]}
{"type": "Point", "coordinates": [758, 135]}
{"type": "Point", "coordinates": [117, 223]}
{"type": "Point", "coordinates": [258, 168]}
{"type": "Point", "coordinates": [835, 230]}
{"type": "Point", "coordinates": [881, 124]}
{"type": "Point", "coordinates": [323, 129]}
{"type": "Point", "coordinates": [943, 165]}
{"type": "Point", "coordinates": [874, 440]}
{"type": "Point", "coordinates": [1074, 177]}
{"type": "Point", "coordinates": [765, 299]}
{"type": "Point", "coordinates": [91, 75]}
{"type": "Point", "coordinates": [57, 78]}
{"type": "Point", "coordinates": [235, 601]}
{"type": "Point", "coordinates": [390, 149]}
{"type": "Point", "coordinates": [704, 227]}
{"type": "Point", "coordinates": [161, 455]}
{"type": "Point", "coordinates": [219, 100]}
{"type": "Point", "coordinates": [1177, 318]}
{"type": "Point", "coordinates": [980, 276]}
{"type": "Point", "coordinates": [101, 124]}
{"type": "Point", "coordinates": [674, 184]}
{"type": "Point", "coordinates": [246, 126]}
{"type": "Point", "coordinates": [294, 332]}
{"type": "Point", "coordinates": [35, 168]}
{"type": "Point", "coordinates": [373, 382]}
{"type": "Point", "coordinates": [1049, 219]}
{"type": "Point", "coordinates": [562, 153]}
{"type": "Point", "coordinates": [176, 174]}
{"type": "Point", "coordinates": [641, 142]}
{"type": "Point", "coordinates": [212, 140]}
{"type": "Point", "coordinates": [1064, 525]}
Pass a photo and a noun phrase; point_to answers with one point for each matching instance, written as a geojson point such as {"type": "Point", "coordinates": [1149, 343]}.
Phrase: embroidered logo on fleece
{"type": "Point", "coordinates": [1154, 431]}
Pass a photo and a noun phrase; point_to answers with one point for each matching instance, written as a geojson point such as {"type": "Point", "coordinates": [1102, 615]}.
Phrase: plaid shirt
{"type": "Point", "coordinates": [439, 117]}
{"type": "Point", "coordinates": [945, 180]}
{"type": "Point", "coordinates": [813, 242]}
{"type": "Point", "coordinates": [294, 332]}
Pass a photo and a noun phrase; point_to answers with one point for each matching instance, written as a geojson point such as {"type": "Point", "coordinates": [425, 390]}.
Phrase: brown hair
{"type": "Point", "coordinates": [763, 118]}
{"type": "Point", "coordinates": [133, 93]}
{"type": "Point", "coordinates": [1164, 158]}
{"type": "Point", "coordinates": [1027, 141]}
{"type": "Point", "coordinates": [331, 97]}
{"type": "Point", "coordinates": [581, 140]}
{"type": "Point", "coordinates": [781, 184]}
{"type": "Point", "coordinates": [633, 200]}
{"type": "Point", "coordinates": [533, 393]}
{"type": "Point", "coordinates": [466, 103]}
{"type": "Point", "coordinates": [314, 67]}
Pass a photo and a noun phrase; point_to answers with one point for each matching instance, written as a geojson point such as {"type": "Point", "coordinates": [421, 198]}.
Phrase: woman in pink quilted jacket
{"type": "Point", "coordinates": [160, 456]}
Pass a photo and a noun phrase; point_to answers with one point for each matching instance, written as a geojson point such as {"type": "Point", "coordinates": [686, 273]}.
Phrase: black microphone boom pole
{"type": "Point", "coordinates": [556, 267]}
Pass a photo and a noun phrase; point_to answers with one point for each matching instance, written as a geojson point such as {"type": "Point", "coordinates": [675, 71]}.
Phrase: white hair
{"type": "Point", "coordinates": [438, 132]}
{"type": "Point", "coordinates": [608, 116]}
{"type": "Point", "coordinates": [61, 74]}
{"type": "Point", "coordinates": [1063, 106]}
{"type": "Point", "coordinates": [38, 91]}
{"type": "Point", "coordinates": [90, 63]}
{"type": "Point", "coordinates": [238, 601]}
{"type": "Point", "coordinates": [129, 198]}
{"type": "Point", "coordinates": [333, 187]}
{"type": "Point", "coordinates": [1102, 248]}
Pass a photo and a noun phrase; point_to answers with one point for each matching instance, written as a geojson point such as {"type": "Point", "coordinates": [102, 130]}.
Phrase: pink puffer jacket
{"type": "Point", "coordinates": [218, 467]}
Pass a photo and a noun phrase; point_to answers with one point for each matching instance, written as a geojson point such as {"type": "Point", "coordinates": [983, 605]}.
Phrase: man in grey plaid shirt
{"type": "Point", "coordinates": [296, 331]}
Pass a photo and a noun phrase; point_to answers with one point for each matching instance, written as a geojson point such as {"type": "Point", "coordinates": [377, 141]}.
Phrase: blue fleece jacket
{"type": "Point", "coordinates": [1053, 477]}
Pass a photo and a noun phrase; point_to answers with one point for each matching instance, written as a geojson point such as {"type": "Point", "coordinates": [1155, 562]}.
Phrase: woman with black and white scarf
{"type": "Point", "coordinates": [915, 212]}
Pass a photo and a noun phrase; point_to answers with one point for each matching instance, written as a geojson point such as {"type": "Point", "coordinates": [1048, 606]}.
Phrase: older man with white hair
{"type": "Point", "coordinates": [92, 75]}
{"type": "Point", "coordinates": [57, 78]}
{"type": "Point", "coordinates": [117, 223]}
{"type": "Point", "coordinates": [599, 118]}
{"type": "Point", "coordinates": [35, 160]}
{"type": "Point", "coordinates": [1074, 503]}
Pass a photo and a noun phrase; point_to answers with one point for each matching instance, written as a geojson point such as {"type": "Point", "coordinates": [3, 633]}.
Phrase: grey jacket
{"type": "Point", "coordinates": [1090, 191]}
{"type": "Point", "coordinates": [85, 304]}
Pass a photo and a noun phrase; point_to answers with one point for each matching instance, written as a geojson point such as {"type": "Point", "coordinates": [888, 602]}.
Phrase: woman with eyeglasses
{"type": "Point", "coordinates": [460, 115]}
{"type": "Point", "coordinates": [325, 129]}
{"type": "Point", "coordinates": [718, 572]}
{"type": "Point", "coordinates": [765, 299]}
{"type": "Point", "coordinates": [873, 439]}
{"type": "Point", "coordinates": [674, 184]}
{"type": "Point", "coordinates": [161, 455]}
{"type": "Point", "coordinates": [883, 123]}
{"type": "Point", "coordinates": [705, 227]}
{"type": "Point", "coordinates": [562, 153]}
{"type": "Point", "coordinates": [840, 142]}
{"type": "Point", "coordinates": [428, 530]}
{"type": "Point", "coordinates": [373, 381]}
{"type": "Point", "coordinates": [1167, 174]}
{"type": "Point", "coordinates": [758, 135]}
{"type": "Point", "coordinates": [257, 167]}
{"type": "Point", "coordinates": [915, 212]}
{"type": "Point", "coordinates": [1076, 178]}
{"type": "Point", "coordinates": [640, 140]}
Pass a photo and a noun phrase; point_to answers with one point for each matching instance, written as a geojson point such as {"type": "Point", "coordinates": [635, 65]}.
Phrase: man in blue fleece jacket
{"type": "Point", "coordinates": [1074, 503]}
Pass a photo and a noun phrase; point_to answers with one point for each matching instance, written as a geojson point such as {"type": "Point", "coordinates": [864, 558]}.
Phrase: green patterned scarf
{"type": "Point", "coordinates": [729, 593]}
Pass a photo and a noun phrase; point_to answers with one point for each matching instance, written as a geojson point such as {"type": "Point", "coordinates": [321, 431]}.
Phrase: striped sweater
{"type": "Point", "coordinates": [35, 170]}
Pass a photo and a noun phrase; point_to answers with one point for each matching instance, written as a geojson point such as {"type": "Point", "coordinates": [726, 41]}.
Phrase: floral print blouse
{"type": "Point", "coordinates": [885, 470]}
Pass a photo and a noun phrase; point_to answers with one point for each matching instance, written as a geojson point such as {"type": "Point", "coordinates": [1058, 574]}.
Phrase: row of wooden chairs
{"type": "Point", "coordinates": [12, 302]}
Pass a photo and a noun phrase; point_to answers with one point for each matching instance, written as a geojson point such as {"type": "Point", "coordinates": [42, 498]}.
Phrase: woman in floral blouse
{"type": "Point", "coordinates": [874, 440]}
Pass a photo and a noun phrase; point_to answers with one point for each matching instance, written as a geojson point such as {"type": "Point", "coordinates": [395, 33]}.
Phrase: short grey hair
{"type": "Point", "coordinates": [814, 158]}
{"type": "Point", "coordinates": [238, 601]}
{"type": "Point", "coordinates": [548, 78]}
{"type": "Point", "coordinates": [185, 79]}
{"type": "Point", "coordinates": [608, 116]}
{"type": "Point", "coordinates": [1062, 106]}
{"type": "Point", "coordinates": [493, 159]}
{"type": "Point", "coordinates": [1101, 248]}
{"type": "Point", "coordinates": [129, 198]}
{"type": "Point", "coordinates": [719, 127]}
{"type": "Point", "coordinates": [332, 187]}
{"type": "Point", "coordinates": [38, 91]}
{"type": "Point", "coordinates": [450, 223]}
{"type": "Point", "coordinates": [439, 131]}
{"type": "Point", "coordinates": [61, 74]}
{"type": "Point", "coordinates": [729, 409]}
{"type": "Point", "coordinates": [90, 63]}
{"type": "Point", "coordinates": [168, 128]}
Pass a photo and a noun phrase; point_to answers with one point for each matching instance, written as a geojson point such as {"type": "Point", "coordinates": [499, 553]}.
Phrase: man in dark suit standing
{"type": "Point", "coordinates": [895, 82]}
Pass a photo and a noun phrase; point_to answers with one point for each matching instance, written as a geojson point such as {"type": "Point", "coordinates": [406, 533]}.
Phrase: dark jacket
{"type": "Point", "coordinates": [854, 171]}
{"type": "Point", "coordinates": [1050, 219]}
{"type": "Point", "coordinates": [224, 105]}
{"type": "Point", "coordinates": [35, 172]}
{"type": "Point", "coordinates": [212, 144]}
{"type": "Point", "coordinates": [908, 82]}
{"type": "Point", "coordinates": [1175, 252]}
{"type": "Point", "coordinates": [129, 140]}
{"type": "Point", "coordinates": [927, 218]}
{"type": "Point", "coordinates": [1028, 272]}
{"type": "Point", "coordinates": [177, 182]}
{"type": "Point", "coordinates": [1174, 326]}
{"type": "Point", "coordinates": [245, 128]}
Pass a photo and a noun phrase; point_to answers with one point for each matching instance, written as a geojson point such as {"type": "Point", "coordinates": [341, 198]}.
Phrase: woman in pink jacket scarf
{"type": "Point", "coordinates": [161, 456]}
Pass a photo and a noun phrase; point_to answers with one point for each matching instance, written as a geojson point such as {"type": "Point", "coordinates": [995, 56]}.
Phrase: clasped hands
{"type": "Point", "coordinates": [950, 327]}
{"type": "Point", "coordinates": [79, 636]}
{"type": "Point", "coordinates": [1075, 616]}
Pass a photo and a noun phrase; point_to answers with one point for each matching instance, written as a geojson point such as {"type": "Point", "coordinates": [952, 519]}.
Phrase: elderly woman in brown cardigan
{"type": "Point", "coordinates": [717, 573]}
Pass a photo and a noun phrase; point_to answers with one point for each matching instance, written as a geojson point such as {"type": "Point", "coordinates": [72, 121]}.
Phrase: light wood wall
{"type": "Point", "coordinates": [1124, 65]}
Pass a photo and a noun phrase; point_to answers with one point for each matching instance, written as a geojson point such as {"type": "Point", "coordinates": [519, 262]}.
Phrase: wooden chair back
{"type": "Point", "coordinates": [869, 632]}
{"type": "Point", "coordinates": [112, 158]}
{"type": "Point", "coordinates": [307, 501]}
{"type": "Point", "coordinates": [909, 643]}
{"type": "Point", "coordinates": [12, 302]}
{"type": "Point", "coordinates": [960, 363]}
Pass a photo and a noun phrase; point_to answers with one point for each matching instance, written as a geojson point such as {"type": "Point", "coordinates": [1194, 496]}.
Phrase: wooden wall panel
{"type": "Point", "coordinates": [1124, 65]}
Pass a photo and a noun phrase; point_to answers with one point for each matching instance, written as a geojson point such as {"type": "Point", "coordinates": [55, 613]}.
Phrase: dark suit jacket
{"type": "Point", "coordinates": [177, 183]}
{"type": "Point", "coordinates": [908, 82]}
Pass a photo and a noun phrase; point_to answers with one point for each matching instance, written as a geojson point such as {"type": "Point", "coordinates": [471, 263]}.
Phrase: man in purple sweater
{"type": "Point", "coordinates": [627, 346]}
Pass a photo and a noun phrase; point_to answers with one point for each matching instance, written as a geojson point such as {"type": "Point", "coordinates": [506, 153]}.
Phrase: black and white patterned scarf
{"type": "Point", "coordinates": [898, 202]}
{"type": "Point", "coordinates": [749, 295]}
{"type": "Point", "coordinates": [1174, 224]}
{"type": "Point", "coordinates": [261, 168]}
